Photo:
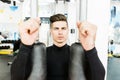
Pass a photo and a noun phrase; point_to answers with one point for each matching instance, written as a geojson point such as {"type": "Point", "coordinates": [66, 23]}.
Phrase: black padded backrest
{"type": "Point", "coordinates": [77, 62]}
{"type": "Point", "coordinates": [39, 62]}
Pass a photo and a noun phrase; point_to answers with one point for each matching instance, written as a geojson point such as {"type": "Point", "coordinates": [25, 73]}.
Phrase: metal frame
{"type": "Point", "coordinates": [34, 8]}
{"type": "Point", "coordinates": [81, 9]}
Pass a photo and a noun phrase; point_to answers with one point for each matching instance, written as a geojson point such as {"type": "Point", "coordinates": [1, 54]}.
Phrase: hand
{"type": "Point", "coordinates": [87, 34]}
{"type": "Point", "coordinates": [29, 31]}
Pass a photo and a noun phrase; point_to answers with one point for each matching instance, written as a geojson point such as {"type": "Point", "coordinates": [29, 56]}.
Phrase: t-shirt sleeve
{"type": "Point", "coordinates": [96, 67]}
{"type": "Point", "coordinates": [18, 66]}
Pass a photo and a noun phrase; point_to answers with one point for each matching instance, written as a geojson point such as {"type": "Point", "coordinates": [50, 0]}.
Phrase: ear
{"type": "Point", "coordinates": [50, 31]}
{"type": "Point", "coordinates": [68, 30]}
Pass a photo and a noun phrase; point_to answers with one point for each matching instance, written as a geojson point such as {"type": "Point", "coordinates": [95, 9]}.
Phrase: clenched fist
{"type": "Point", "coordinates": [87, 34]}
{"type": "Point", "coordinates": [29, 31]}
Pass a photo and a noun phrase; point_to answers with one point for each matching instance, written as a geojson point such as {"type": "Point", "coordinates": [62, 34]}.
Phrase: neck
{"type": "Point", "coordinates": [59, 44]}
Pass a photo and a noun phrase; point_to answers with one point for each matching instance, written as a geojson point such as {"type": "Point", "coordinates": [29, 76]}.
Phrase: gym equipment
{"type": "Point", "coordinates": [39, 62]}
{"type": "Point", "coordinates": [77, 62]}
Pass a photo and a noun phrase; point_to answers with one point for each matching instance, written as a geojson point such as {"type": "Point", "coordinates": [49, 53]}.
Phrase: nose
{"type": "Point", "coordinates": [60, 31]}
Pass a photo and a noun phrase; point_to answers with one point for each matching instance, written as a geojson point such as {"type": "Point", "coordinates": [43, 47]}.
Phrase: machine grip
{"type": "Point", "coordinates": [77, 62]}
{"type": "Point", "coordinates": [39, 62]}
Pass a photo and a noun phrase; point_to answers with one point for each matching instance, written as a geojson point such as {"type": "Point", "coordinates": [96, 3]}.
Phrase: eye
{"type": "Point", "coordinates": [56, 28]}
{"type": "Point", "coordinates": [64, 28]}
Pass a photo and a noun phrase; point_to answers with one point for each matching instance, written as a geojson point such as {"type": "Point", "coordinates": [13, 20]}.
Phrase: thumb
{"type": "Point", "coordinates": [78, 24]}
{"type": "Point", "coordinates": [37, 19]}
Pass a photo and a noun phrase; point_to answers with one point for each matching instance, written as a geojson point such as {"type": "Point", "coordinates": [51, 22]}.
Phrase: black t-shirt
{"type": "Point", "coordinates": [57, 63]}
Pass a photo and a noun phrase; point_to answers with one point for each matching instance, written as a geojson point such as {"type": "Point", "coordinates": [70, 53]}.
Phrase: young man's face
{"type": "Point", "coordinates": [59, 31]}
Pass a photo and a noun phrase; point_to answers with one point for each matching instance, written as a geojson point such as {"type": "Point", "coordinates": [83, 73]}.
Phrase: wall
{"type": "Point", "coordinates": [9, 19]}
{"type": "Point", "coordinates": [9, 16]}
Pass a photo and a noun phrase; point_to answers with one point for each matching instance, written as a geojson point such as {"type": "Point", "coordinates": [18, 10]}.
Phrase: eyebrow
{"type": "Point", "coordinates": [59, 27]}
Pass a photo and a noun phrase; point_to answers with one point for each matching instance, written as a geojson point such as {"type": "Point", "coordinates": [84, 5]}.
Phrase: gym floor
{"type": "Point", "coordinates": [4, 67]}
{"type": "Point", "coordinates": [112, 74]}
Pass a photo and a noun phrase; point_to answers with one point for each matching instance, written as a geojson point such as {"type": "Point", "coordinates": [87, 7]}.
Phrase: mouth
{"type": "Point", "coordinates": [60, 37]}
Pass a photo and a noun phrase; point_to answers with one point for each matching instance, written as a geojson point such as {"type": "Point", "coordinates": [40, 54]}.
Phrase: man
{"type": "Point", "coordinates": [59, 53]}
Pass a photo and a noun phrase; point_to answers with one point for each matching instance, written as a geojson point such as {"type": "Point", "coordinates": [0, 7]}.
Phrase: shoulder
{"type": "Point", "coordinates": [49, 48]}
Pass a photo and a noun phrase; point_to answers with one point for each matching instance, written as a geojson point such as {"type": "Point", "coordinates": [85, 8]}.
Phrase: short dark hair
{"type": "Point", "coordinates": [57, 17]}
